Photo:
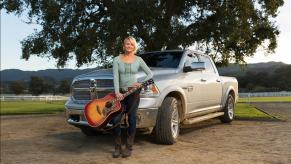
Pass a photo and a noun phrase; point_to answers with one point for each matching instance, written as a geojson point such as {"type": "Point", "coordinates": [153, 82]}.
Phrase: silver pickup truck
{"type": "Point", "coordinates": [190, 90]}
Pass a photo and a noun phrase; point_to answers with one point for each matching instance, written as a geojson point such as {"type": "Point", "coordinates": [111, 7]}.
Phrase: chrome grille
{"type": "Point", "coordinates": [81, 89]}
{"type": "Point", "coordinates": [81, 95]}
{"type": "Point", "coordinates": [82, 84]}
{"type": "Point", "coordinates": [104, 83]}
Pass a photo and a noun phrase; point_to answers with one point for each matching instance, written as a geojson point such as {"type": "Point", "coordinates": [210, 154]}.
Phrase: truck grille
{"type": "Point", "coordinates": [81, 84]}
{"type": "Point", "coordinates": [81, 95]}
{"type": "Point", "coordinates": [104, 83]}
{"type": "Point", "coordinates": [81, 89]}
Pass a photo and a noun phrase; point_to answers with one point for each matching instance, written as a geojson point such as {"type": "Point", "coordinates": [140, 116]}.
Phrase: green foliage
{"type": "Point", "coordinates": [36, 85]}
{"type": "Point", "coordinates": [268, 81]}
{"type": "Point", "coordinates": [17, 87]}
{"type": "Point", "coordinates": [64, 86]}
{"type": "Point", "coordinates": [93, 31]}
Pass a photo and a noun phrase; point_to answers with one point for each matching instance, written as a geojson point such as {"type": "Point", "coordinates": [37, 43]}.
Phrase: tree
{"type": "Point", "coordinates": [17, 87]}
{"type": "Point", "coordinates": [36, 85]}
{"type": "Point", "coordinates": [64, 86]}
{"type": "Point", "coordinates": [282, 78]}
{"type": "Point", "coordinates": [94, 30]}
{"type": "Point", "coordinates": [49, 84]}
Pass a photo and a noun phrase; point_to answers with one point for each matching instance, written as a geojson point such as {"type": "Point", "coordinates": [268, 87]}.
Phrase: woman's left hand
{"type": "Point", "coordinates": [136, 85]}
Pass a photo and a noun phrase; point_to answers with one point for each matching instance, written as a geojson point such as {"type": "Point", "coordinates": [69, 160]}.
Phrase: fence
{"type": "Point", "coordinates": [265, 94]}
{"type": "Point", "coordinates": [32, 98]}
{"type": "Point", "coordinates": [60, 98]}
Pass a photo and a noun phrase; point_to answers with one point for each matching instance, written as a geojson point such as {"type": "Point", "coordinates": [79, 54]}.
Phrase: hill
{"type": "Point", "coordinates": [240, 70]}
{"type": "Point", "coordinates": [57, 74]}
{"type": "Point", "coordinates": [60, 74]}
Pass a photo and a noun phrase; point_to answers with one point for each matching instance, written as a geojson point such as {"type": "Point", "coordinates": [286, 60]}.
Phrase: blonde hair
{"type": "Point", "coordinates": [131, 40]}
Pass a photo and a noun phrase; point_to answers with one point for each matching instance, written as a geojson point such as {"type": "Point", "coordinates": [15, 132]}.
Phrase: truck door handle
{"type": "Point", "coordinates": [190, 87]}
{"type": "Point", "coordinates": [217, 80]}
{"type": "Point", "coordinates": [203, 80]}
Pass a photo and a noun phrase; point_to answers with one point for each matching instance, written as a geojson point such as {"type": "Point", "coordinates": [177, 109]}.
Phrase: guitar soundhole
{"type": "Point", "coordinates": [108, 105]}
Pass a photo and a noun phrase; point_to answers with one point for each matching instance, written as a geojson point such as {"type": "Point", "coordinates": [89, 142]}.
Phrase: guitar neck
{"type": "Point", "coordinates": [148, 82]}
{"type": "Point", "coordinates": [127, 93]}
{"type": "Point", "coordinates": [131, 91]}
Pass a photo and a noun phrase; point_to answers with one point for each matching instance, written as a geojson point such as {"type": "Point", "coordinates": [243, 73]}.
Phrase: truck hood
{"type": "Point", "coordinates": [108, 73]}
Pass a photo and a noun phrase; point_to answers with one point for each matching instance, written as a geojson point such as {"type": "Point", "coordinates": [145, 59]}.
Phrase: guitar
{"type": "Point", "coordinates": [99, 112]}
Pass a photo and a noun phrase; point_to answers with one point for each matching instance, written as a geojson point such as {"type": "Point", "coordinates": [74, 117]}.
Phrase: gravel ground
{"type": "Point", "coordinates": [49, 139]}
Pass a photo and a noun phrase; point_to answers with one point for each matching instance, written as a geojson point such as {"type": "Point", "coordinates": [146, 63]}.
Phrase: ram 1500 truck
{"type": "Point", "coordinates": [190, 90]}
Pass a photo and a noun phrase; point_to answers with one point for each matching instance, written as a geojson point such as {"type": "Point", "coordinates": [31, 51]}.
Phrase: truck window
{"type": "Point", "coordinates": [162, 59]}
{"type": "Point", "coordinates": [208, 63]}
{"type": "Point", "coordinates": [190, 59]}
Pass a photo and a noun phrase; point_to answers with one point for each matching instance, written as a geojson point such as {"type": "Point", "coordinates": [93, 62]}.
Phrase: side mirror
{"type": "Point", "coordinates": [195, 66]}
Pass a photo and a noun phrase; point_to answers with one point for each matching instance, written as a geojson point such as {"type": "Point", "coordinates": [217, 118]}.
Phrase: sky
{"type": "Point", "coordinates": [14, 29]}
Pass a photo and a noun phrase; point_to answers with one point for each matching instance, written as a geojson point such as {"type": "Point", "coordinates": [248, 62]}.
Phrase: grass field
{"type": "Point", "coordinates": [247, 111]}
{"type": "Point", "coordinates": [266, 99]}
{"type": "Point", "coordinates": [31, 107]}
{"type": "Point", "coordinates": [243, 110]}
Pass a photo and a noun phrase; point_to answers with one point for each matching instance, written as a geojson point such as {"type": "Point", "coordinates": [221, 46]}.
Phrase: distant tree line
{"type": "Point", "coordinates": [36, 86]}
{"type": "Point", "coordinates": [250, 81]}
{"type": "Point", "coordinates": [267, 81]}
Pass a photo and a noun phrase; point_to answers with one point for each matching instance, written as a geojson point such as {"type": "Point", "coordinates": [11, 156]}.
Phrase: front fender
{"type": "Point", "coordinates": [170, 90]}
{"type": "Point", "coordinates": [226, 93]}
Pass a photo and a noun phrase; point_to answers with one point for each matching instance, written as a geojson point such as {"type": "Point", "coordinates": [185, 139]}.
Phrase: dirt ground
{"type": "Point", "coordinates": [49, 139]}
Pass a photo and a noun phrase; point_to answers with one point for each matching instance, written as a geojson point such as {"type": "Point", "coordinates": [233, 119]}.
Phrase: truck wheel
{"type": "Point", "coordinates": [228, 110]}
{"type": "Point", "coordinates": [89, 131]}
{"type": "Point", "coordinates": [167, 125]}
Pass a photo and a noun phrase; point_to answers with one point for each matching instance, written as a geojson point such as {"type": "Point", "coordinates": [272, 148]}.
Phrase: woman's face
{"type": "Point", "coordinates": [128, 46]}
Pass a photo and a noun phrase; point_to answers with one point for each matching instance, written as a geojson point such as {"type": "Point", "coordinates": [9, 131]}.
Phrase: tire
{"type": "Point", "coordinates": [228, 110]}
{"type": "Point", "coordinates": [167, 125]}
{"type": "Point", "coordinates": [89, 131]}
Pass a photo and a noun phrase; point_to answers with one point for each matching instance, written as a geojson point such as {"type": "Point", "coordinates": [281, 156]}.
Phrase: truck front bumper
{"type": "Point", "coordinates": [146, 117]}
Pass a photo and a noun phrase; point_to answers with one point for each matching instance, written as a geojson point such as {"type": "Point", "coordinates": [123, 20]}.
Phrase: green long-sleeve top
{"type": "Point", "coordinates": [125, 73]}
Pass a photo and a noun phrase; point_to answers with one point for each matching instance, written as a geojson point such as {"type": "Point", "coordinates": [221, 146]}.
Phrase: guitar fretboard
{"type": "Point", "coordinates": [134, 89]}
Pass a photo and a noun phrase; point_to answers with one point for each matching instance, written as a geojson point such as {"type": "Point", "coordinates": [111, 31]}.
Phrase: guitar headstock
{"type": "Point", "coordinates": [148, 82]}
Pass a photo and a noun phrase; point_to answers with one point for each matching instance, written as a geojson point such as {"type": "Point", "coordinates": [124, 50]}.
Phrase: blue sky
{"type": "Point", "coordinates": [13, 30]}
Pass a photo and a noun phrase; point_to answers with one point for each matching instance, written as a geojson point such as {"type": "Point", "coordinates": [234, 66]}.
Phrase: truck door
{"type": "Point", "coordinates": [212, 88]}
{"type": "Point", "coordinates": [193, 86]}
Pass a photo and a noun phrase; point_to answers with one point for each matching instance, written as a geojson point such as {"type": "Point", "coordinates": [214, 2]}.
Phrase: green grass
{"type": "Point", "coordinates": [266, 99]}
{"type": "Point", "coordinates": [243, 110]}
{"type": "Point", "coordinates": [31, 107]}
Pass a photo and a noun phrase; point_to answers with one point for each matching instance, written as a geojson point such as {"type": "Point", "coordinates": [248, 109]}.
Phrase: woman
{"type": "Point", "coordinates": [125, 67]}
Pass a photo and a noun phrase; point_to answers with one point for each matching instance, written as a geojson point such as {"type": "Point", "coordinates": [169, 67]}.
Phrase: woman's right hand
{"type": "Point", "coordinates": [119, 96]}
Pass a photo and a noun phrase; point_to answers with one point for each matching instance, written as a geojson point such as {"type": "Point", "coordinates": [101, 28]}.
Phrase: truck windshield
{"type": "Point", "coordinates": [162, 59]}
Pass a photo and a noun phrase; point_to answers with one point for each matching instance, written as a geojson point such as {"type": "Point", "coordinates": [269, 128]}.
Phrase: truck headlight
{"type": "Point", "coordinates": [150, 91]}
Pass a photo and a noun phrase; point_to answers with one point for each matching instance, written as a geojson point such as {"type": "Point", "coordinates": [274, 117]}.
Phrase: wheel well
{"type": "Point", "coordinates": [181, 103]}
{"type": "Point", "coordinates": [231, 92]}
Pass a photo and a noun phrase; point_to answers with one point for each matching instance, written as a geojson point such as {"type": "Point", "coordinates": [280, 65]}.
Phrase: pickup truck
{"type": "Point", "coordinates": [190, 90]}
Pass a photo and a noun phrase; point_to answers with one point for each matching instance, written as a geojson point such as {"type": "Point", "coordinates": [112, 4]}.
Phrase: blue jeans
{"type": "Point", "coordinates": [129, 105]}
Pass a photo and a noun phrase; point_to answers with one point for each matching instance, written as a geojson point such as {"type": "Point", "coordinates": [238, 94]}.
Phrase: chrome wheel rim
{"type": "Point", "coordinates": [230, 108]}
{"type": "Point", "coordinates": [175, 121]}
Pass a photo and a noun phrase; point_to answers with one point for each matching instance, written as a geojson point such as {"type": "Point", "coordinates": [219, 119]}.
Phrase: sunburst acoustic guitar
{"type": "Point", "coordinates": [99, 112]}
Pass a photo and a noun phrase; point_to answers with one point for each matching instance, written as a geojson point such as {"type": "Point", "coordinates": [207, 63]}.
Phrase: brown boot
{"type": "Point", "coordinates": [130, 141]}
{"type": "Point", "coordinates": [117, 150]}
{"type": "Point", "coordinates": [125, 152]}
